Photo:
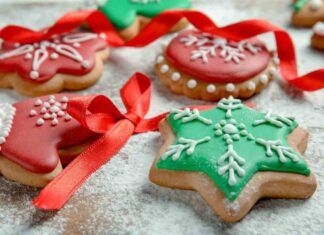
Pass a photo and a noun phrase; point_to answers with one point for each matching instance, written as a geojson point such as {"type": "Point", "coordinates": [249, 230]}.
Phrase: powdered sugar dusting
{"type": "Point", "coordinates": [119, 198]}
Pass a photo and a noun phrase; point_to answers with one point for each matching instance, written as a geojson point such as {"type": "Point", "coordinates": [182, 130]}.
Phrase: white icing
{"type": "Point", "coordinates": [230, 87]}
{"type": "Point", "coordinates": [51, 110]}
{"type": "Point", "coordinates": [211, 88]}
{"type": "Point", "coordinates": [206, 47]}
{"type": "Point", "coordinates": [7, 113]}
{"type": "Point", "coordinates": [273, 71]}
{"type": "Point", "coordinates": [187, 115]}
{"type": "Point", "coordinates": [251, 86]}
{"type": "Point", "coordinates": [277, 121]}
{"type": "Point", "coordinates": [233, 165]}
{"type": "Point", "coordinates": [316, 4]}
{"type": "Point", "coordinates": [229, 105]}
{"type": "Point", "coordinates": [276, 146]}
{"type": "Point", "coordinates": [189, 145]}
{"type": "Point", "coordinates": [39, 53]}
{"type": "Point", "coordinates": [192, 83]}
{"type": "Point", "coordinates": [264, 79]}
{"type": "Point", "coordinates": [144, 1]}
{"type": "Point", "coordinates": [164, 68]}
{"type": "Point", "coordinates": [159, 59]}
{"type": "Point", "coordinates": [319, 28]}
{"type": "Point", "coordinates": [175, 76]}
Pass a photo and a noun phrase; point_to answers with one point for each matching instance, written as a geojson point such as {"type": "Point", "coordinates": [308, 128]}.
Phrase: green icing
{"type": "Point", "coordinates": [244, 129]}
{"type": "Point", "coordinates": [122, 13]}
{"type": "Point", "coordinates": [299, 4]}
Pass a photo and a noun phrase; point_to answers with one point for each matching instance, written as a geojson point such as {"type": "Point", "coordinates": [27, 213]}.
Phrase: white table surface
{"type": "Point", "coordinates": [119, 198]}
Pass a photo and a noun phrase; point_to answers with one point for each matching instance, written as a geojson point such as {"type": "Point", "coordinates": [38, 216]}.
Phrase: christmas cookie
{"type": "Point", "coordinates": [70, 61]}
{"type": "Point", "coordinates": [318, 36]}
{"type": "Point", "coordinates": [37, 137]}
{"type": "Point", "coordinates": [307, 12]}
{"type": "Point", "coordinates": [129, 16]}
{"type": "Point", "coordinates": [233, 156]}
{"type": "Point", "coordinates": [207, 67]}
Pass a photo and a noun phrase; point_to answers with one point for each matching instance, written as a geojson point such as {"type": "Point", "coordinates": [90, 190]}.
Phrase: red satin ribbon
{"type": "Point", "coordinates": [162, 24]}
{"type": "Point", "coordinates": [98, 114]}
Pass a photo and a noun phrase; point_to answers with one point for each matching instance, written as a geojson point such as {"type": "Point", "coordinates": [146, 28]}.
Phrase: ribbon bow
{"type": "Point", "coordinates": [100, 115]}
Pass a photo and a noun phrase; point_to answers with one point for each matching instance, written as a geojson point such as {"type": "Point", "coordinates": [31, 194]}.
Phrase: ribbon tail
{"type": "Point", "coordinates": [58, 192]}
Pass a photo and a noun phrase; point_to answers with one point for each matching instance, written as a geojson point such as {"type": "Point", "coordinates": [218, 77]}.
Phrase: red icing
{"type": "Point", "coordinates": [216, 70]}
{"type": "Point", "coordinates": [35, 147]}
{"type": "Point", "coordinates": [50, 66]}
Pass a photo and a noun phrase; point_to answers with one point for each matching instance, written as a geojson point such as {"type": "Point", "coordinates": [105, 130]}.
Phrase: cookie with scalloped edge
{"type": "Point", "coordinates": [130, 16]}
{"type": "Point", "coordinates": [317, 40]}
{"type": "Point", "coordinates": [71, 61]}
{"type": "Point", "coordinates": [307, 12]}
{"type": "Point", "coordinates": [202, 66]}
{"type": "Point", "coordinates": [233, 156]}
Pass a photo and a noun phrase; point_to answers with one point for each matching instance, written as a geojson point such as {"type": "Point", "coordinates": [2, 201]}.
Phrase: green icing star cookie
{"type": "Point", "coordinates": [122, 13]}
{"type": "Point", "coordinates": [230, 144]}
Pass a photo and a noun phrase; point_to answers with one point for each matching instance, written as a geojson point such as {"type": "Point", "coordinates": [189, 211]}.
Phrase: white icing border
{"type": "Point", "coordinates": [7, 114]}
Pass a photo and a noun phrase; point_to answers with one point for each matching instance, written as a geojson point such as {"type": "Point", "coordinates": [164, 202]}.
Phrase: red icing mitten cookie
{"type": "Point", "coordinates": [318, 36]}
{"type": "Point", "coordinates": [203, 66]}
{"type": "Point", "coordinates": [71, 61]}
{"type": "Point", "coordinates": [37, 136]}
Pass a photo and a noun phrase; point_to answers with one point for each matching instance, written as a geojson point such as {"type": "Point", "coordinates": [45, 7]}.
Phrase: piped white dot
{"type": "Point", "coordinates": [164, 68]}
{"type": "Point", "coordinates": [67, 117]}
{"type": "Point", "coordinates": [54, 122]}
{"type": "Point", "coordinates": [43, 110]}
{"type": "Point", "coordinates": [40, 122]}
{"type": "Point", "coordinates": [64, 99]}
{"type": "Point", "coordinates": [264, 79]}
{"type": "Point", "coordinates": [251, 86]}
{"type": "Point", "coordinates": [32, 113]}
{"type": "Point", "coordinates": [85, 64]}
{"type": "Point", "coordinates": [211, 88]}
{"type": "Point", "coordinates": [34, 74]}
{"type": "Point", "coordinates": [54, 56]}
{"type": "Point", "coordinates": [230, 87]}
{"type": "Point", "coordinates": [175, 76]}
{"type": "Point", "coordinates": [28, 56]}
{"type": "Point", "coordinates": [192, 83]}
{"type": "Point", "coordinates": [38, 102]}
{"type": "Point", "coordinates": [76, 44]}
{"type": "Point", "coordinates": [273, 71]}
{"type": "Point", "coordinates": [159, 59]}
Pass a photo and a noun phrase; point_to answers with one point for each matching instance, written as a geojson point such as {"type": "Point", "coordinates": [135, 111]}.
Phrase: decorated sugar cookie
{"type": "Point", "coordinates": [233, 156]}
{"type": "Point", "coordinates": [37, 137]}
{"type": "Point", "coordinates": [307, 12]}
{"type": "Point", "coordinates": [318, 36]}
{"type": "Point", "coordinates": [129, 16]}
{"type": "Point", "coordinates": [71, 61]}
{"type": "Point", "coordinates": [203, 66]}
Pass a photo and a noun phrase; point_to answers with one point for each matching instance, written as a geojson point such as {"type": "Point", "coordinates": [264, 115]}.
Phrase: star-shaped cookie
{"type": "Point", "coordinates": [233, 156]}
{"type": "Point", "coordinates": [129, 16]}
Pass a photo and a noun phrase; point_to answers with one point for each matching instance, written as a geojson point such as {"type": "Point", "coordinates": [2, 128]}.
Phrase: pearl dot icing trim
{"type": "Point", "coordinates": [192, 83]}
{"type": "Point", "coordinates": [319, 28]}
{"type": "Point", "coordinates": [211, 88]}
{"type": "Point", "coordinates": [273, 71]}
{"type": "Point", "coordinates": [175, 76]}
{"type": "Point", "coordinates": [251, 86]}
{"type": "Point", "coordinates": [7, 113]}
{"type": "Point", "coordinates": [159, 59]}
{"type": "Point", "coordinates": [316, 4]}
{"type": "Point", "coordinates": [264, 79]}
{"type": "Point", "coordinates": [51, 110]}
{"type": "Point", "coordinates": [230, 87]}
{"type": "Point", "coordinates": [164, 68]}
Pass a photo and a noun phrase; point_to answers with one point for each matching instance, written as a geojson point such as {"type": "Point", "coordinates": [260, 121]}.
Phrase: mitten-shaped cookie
{"type": "Point", "coordinates": [307, 12]}
{"type": "Point", "coordinates": [233, 156]}
{"type": "Point", "coordinates": [37, 137]}
{"type": "Point", "coordinates": [70, 61]}
{"type": "Point", "coordinates": [129, 16]}
{"type": "Point", "coordinates": [207, 67]}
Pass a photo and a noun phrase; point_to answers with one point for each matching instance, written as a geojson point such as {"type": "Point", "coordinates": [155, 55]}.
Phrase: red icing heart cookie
{"type": "Point", "coordinates": [318, 36]}
{"type": "Point", "coordinates": [37, 136]}
{"type": "Point", "coordinates": [203, 66]}
{"type": "Point", "coordinates": [70, 61]}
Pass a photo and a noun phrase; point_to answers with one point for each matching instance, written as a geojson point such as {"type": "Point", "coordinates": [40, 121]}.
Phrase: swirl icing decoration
{"type": "Point", "coordinates": [230, 143]}
{"type": "Point", "coordinates": [70, 53]}
{"type": "Point", "coordinates": [122, 13]}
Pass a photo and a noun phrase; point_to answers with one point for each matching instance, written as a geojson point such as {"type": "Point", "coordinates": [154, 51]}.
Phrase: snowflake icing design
{"type": "Point", "coordinates": [66, 45]}
{"type": "Point", "coordinates": [206, 47]}
{"type": "Point", "coordinates": [235, 132]}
